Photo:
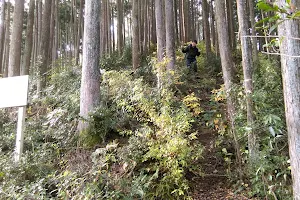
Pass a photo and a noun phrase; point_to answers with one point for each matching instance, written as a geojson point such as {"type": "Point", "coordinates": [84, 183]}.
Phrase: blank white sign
{"type": "Point", "coordinates": [13, 91]}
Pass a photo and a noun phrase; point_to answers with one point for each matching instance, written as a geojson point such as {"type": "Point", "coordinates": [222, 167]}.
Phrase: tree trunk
{"type": "Point", "coordinates": [40, 18]}
{"type": "Point", "coordinates": [185, 18]}
{"type": "Point", "coordinates": [145, 40]}
{"type": "Point", "coordinates": [230, 21]}
{"type": "Point", "coordinates": [90, 80]}
{"type": "Point", "coordinates": [56, 34]}
{"type": "Point", "coordinates": [44, 50]}
{"type": "Point", "coordinates": [120, 26]}
{"type": "Point", "coordinates": [176, 21]}
{"type": "Point", "coordinates": [212, 25]}
{"type": "Point", "coordinates": [170, 34]}
{"type": "Point", "coordinates": [253, 31]}
{"type": "Point", "coordinates": [7, 41]}
{"type": "Point", "coordinates": [52, 32]}
{"type": "Point", "coordinates": [228, 73]}
{"type": "Point", "coordinates": [15, 47]}
{"type": "Point", "coordinates": [135, 35]}
{"type": "Point", "coordinates": [29, 39]}
{"type": "Point", "coordinates": [141, 26]}
{"type": "Point", "coordinates": [2, 33]}
{"type": "Point", "coordinates": [205, 13]}
{"type": "Point", "coordinates": [161, 41]}
{"type": "Point", "coordinates": [79, 32]}
{"type": "Point", "coordinates": [108, 18]}
{"type": "Point", "coordinates": [181, 26]}
{"type": "Point", "coordinates": [153, 24]}
{"type": "Point", "coordinates": [248, 83]}
{"type": "Point", "coordinates": [290, 62]}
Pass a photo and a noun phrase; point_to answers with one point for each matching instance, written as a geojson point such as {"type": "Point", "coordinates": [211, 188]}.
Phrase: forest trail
{"type": "Point", "coordinates": [212, 182]}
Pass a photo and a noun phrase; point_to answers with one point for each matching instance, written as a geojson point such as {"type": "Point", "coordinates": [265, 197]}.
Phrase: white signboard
{"type": "Point", "coordinates": [13, 91]}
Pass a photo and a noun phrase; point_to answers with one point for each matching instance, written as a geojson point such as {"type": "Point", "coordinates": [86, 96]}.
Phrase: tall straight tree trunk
{"type": "Point", "coordinates": [230, 21]}
{"type": "Point", "coordinates": [185, 12]}
{"type": "Point", "coordinates": [15, 47]}
{"type": "Point", "coordinates": [212, 25]}
{"type": "Point", "coordinates": [153, 24]}
{"type": "Point", "coordinates": [228, 73]}
{"type": "Point", "coordinates": [248, 73]}
{"type": "Point", "coordinates": [112, 30]}
{"type": "Point", "coordinates": [191, 20]}
{"type": "Point", "coordinates": [290, 62]}
{"type": "Point", "coordinates": [170, 34]}
{"type": "Point", "coordinates": [90, 80]}
{"type": "Point", "coordinates": [7, 41]}
{"type": "Point", "coordinates": [135, 35]}
{"type": "Point", "coordinates": [56, 36]}
{"type": "Point", "coordinates": [176, 21]}
{"type": "Point", "coordinates": [2, 33]}
{"type": "Point", "coordinates": [29, 39]}
{"type": "Point", "coordinates": [36, 35]}
{"type": "Point", "coordinates": [44, 50]}
{"type": "Point", "coordinates": [253, 31]}
{"type": "Point", "coordinates": [120, 26]}
{"type": "Point", "coordinates": [205, 13]}
{"type": "Point", "coordinates": [145, 40]}
{"type": "Point", "coordinates": [79, 32]}
{"type": "Point", "coordinates": [141, 26]}
{"type": "Point", "coordinates": [109, 41]}
{"type": "Point", "coordinates": [40, 19]}
{"type": "Point", "coordinates": [52, 32]}
{"type": "Point", "coordinates": [161, 40]}
{"type": "Point", "coordinates": [181, 26]}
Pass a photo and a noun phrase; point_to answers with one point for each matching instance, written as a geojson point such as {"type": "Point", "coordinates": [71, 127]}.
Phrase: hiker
{"type": "Point", "coordinates": [191, 53]}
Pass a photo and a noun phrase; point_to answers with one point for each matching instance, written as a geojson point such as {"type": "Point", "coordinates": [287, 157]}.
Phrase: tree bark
{"type": "Point", "coordinates": [7, 41]}
{"type": "Point", "coordinates": [2, 33]}
{"type": "Point", "coordinates": [290, 47]}
{"type": "Point", "coordinates": [253, 31]}
{"type": "Point", "coordinates": [135, 35]}
{"type": "Point", "coordinates": [248, 73]}
{"type": "Point", "coordinates": [170, 34]}
{"type": "Point", "coordinates": [153, 24]}
{"type": "Point", "coordinates": [29, 39]}
{"type": "Point", "coordinates": [120, 26]}
{"type": "Point", "coordinates": [212, 25]}
{"type": "Point", "coordinates": [228, 73]}
{"type": "Point", "coordinates": [161, 41]}
{"type": "Point", "coordinates": [15, 47]}
{"type": "Point", "coordinates": [205, 13]}
{"type": "Point", "coordinates": [185, 18]}
{"type": "Point", "coordinates": [176, 21]}
{"type": "Point", "coordinates": [90, 80]}
{"type": "Point", "coordinates": [145, 40]}
{"type": "Point", "coordinates": [44, 45]}
{"type": "Point", "coordinates": [40, 19]}
{"type": "Point", "coordinates": [79, 32]}
{"type": "Point", "coordinates": [230, 21]}
{"type": "Point", "coordinates": [181, 26]}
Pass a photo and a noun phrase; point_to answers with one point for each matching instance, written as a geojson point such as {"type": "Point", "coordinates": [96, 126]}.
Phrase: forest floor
{"type": "Point", "coordinates": [212, 183]}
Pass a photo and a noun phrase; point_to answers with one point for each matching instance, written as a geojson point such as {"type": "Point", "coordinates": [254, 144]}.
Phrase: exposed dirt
{"type": "Point", "coordinates": [213, 182]}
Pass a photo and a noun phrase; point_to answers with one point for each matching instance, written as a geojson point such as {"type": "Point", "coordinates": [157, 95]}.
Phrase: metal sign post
{"type": "Point", "coordinates": [14, 93]}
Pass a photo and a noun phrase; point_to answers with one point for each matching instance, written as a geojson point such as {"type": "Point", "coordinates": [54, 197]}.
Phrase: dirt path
{"type": "Point", "coordinates": [213, 182]}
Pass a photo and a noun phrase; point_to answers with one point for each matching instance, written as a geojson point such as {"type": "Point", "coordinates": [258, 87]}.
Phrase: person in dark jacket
{"type": "Point", "coordinates": [191, 53]}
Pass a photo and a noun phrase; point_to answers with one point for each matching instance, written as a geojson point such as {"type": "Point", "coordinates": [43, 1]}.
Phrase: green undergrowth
{"type": "Point", "coordinates": [271, 178]}
{"type": "Point", "coordinates": [140, 143]}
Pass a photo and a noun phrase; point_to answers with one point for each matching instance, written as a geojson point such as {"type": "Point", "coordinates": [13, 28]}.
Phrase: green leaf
{"type": "Point", "coordinates": [264, 6]}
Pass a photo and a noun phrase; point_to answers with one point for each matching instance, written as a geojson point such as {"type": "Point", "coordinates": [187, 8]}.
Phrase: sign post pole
{"type": "Point", "coordinates": [20, 133]}
{"type": "Point", "coordinates": [14, 93]}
